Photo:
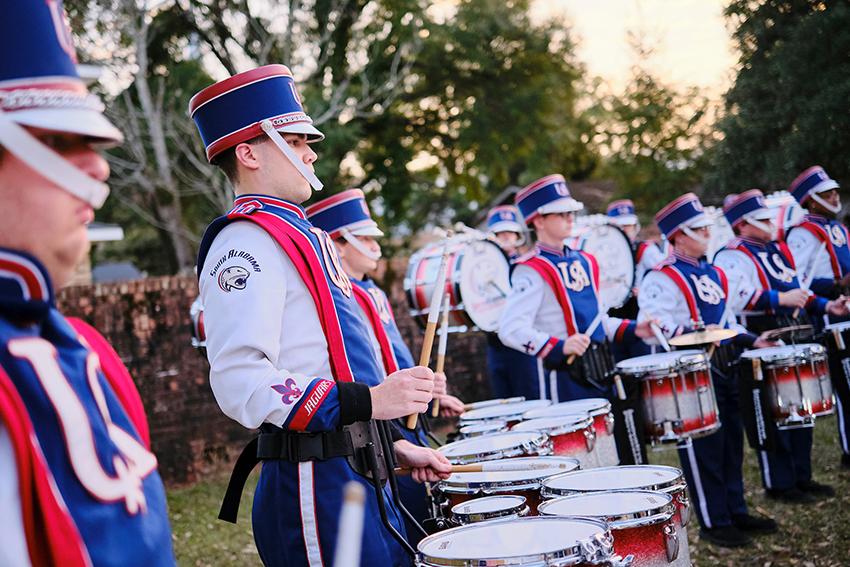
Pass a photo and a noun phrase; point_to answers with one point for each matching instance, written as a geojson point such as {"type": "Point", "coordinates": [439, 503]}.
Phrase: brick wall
{"type": "Point", "coordinates": [147, 322]}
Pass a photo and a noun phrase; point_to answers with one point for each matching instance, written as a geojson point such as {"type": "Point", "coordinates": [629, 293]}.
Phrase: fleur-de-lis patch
{"type": "Point", "coordinates": [288, 391]}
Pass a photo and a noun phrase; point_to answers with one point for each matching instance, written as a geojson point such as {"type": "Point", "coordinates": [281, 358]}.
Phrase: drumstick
{"type": "Point", "coordinates": [350, 534]}
{"type": "Point", "coordinates": [431, 325]}
{"type": "Point", "coordinates": [476, 405]}
{"type": "Point", "coordinates": [496, 467]}
{"type": "Point", "coordinates": [441, 350]}
{"type": "Point", "coordinates": [660, 336]}
{"type": "Point", "coordinates": [806, 281]}
{"type": "Point", "coordinates": [589, 331]}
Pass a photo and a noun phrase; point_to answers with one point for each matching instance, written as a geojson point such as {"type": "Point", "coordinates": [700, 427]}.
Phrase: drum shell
{"type": "Point", "coordinates": [572, 436]}
{"type": "Point", "coordinates": [501, 507]}
{"type": "Point", "coordinates": [650, 534]}
{"type": "Point", "coordinates": [603, 421]}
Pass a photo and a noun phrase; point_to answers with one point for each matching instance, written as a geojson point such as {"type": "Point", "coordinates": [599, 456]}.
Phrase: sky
{"type": "Point", "coordinates": [691, 41]}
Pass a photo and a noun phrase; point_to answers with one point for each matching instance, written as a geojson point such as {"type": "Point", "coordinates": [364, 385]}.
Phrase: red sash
{"type": "Point", "coordinates": [819, 233]}
{"type": "Point", "coordinates": [550, 275]}
{"type": "Point", "coordinates": [371, 311]}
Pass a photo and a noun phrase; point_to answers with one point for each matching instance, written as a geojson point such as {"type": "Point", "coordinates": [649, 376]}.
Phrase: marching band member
{"type": "Point", "coordinates": [289, 352]}
{"type": "Point", "coordinates": [685, 292]}
{"type": "Point", "coordinates": [512, 372]}
{"type": "Point", "coordinates": [822, 255]}
{"type": "Point", "coordinates": [78, 483]}
{"type": "Point", "coordinates": [346, 218]}
{"type": "Point", "coordinates": [553, 302]}
{"type": "Point", "coordinates": [765, 291]}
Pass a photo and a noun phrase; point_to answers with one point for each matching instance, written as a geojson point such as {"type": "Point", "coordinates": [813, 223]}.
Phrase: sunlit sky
{"type": "Point", "coordinates": [690, 37]}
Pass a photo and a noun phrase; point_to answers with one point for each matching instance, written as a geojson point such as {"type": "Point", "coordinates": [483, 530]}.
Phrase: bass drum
{"type": "Point", "coordinates": [477, 281]}
{"type": "Point", "coordinates": [613, 251]}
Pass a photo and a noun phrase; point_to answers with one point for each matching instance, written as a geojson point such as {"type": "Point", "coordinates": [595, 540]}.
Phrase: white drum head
{"type": "Point", "coordinates": [484, 283]}
{"type": "Point", "coordinates": [628, 477]}
{"type": "Point", "coordinates": [476, 448]}
{"type": "Point", "coordinates": [608, 505]}
{"type": "Point", "coordinates": [476, 480]}
{"type": "Point", "coordinates": [563, 423]}
{"type": "Point", "coordinates": [613, 251]}
{"type": "Point", "coordinates": [591, 406]}
{"type": "Point", "coordinates": [503, 410]}
{"type": "Point", "coordinates": [783, 352]}
{"type": "Point", "coordinates": [840, 326]}
{"type": "Point", "coordinates": [661, 361]}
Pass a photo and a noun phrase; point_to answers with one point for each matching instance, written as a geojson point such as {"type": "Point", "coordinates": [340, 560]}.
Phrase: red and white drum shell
{"type": "Point", "coordinates": [655, 478]}
{"type": "Point", "coordinates": [641, 522]}
{"type": "Point", "coordinates": [463, 487]}
{"type": "Point", "coordinates": [603, 423]}
{"type": "Point", "coordinates": [493, 402]}
{"type": "Point", "coordinates": [571, 435]}
{"type": "Point", "coordinates": [497, 446]}
{"type": "Point", "coordinates": [527, 542]}
{"type": "Point", "coordinates": [798, 379]}
{"type": "Point", "coordinates": [483, 428]}
{"type": "Point", "coordinates": [511, 413]}
{"type": "Point", "coordinates": [677, 393]}
{"type": "Point", "coordinates": [502, 507]}
{"type": "Point", "coordinates": [477, 281]}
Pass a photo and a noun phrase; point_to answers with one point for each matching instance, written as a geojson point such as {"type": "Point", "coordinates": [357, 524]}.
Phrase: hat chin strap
{"type": "Point", "coordinates": [49, 164]}
{"type": "Point", "coordinates": [359, 246]}
{"type": "Point", "coordinates": [760, 225]}
{"type": "Point", "coordinates": [698, 237]}
{"type": "Point", "coordinates": [299, 164]}
{"type": "Point", "coordinates": [834, 209]}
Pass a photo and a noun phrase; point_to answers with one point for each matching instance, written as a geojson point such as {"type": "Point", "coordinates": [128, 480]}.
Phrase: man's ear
{"type": "Point", "coordinates": [537, 223]}
{"type": "Point", "coordinates": [247, 155]}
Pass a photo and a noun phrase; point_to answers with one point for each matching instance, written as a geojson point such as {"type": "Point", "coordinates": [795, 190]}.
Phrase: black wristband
{"type": "Point", "coordinates": [355, 402]}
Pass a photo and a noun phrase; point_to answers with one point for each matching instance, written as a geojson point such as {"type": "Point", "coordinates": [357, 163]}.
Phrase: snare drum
{"type": "Point", "coordinates": [512, 413]}
{"type": "Point", "coordinates": [603, 424]}
{"type": "Point", "coordinates": [508, 506]}
{"type": "Point", "coordinates": [483, 428]}
{"type": "Point", "coordinates": [477, 281]}
{"type": "Point", "coordinates": [641, 522]}
{"type": "Point", "coordinates": [799, 388]}
{"type": "Point", "coordinates": [497, 446]}
{"type": "Point", "coordinates": [527, 542]}
{"type": "Point", "coordinates": [677, 394]}
{"type": "Point", "coordinates": [462, 487]}
{"type": "Point", "coordinates": [571, 435]}
{"type": "Point", "coordinates": [494, 402]}
{"type": "Point", "coordinates": [656, 478]}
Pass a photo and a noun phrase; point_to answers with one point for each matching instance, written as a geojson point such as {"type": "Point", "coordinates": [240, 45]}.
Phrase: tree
{"type": "Point", "coordinates": [787, 109]}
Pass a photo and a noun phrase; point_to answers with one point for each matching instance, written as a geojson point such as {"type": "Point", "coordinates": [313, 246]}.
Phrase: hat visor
{"type": "Point", "coordinates": [73, 121]}
{"type": "Point", "coordinates": [700, 221]}
{"type": "Point", "coordinates": [824, 186]}
{"type": "Point", "coordinates": [312, 133]}
{"type": "Point", "coordinates": [366, 230]}
{"type": "Point", "coordinates": [505, 226]}
{"type": "Point", "coordinates": [762, 214]}
{"type": "Point", "coordinates": [624, 220]}
{"type": "Point", "coordinates": [566, 205]}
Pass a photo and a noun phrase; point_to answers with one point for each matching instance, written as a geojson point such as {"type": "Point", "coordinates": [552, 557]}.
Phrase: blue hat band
{"type": "Point", "coordinates": [678, 217]}
{"type": "Point", "coordinates": [542, 196]}
{"type": "Point", "coordinates": [339, 216]}
{"type": "Point", "coordinates": [745, 207]}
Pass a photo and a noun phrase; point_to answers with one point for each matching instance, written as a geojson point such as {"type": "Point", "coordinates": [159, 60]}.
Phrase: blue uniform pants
{"type": "Point", "coordinates": [512, 373]}
{"type": "Point", "coordinates": [412, 493]}
{"type": "Point", "coordinates": [712, 464]}
{"type": "Point", "coordinates": [790, 463]}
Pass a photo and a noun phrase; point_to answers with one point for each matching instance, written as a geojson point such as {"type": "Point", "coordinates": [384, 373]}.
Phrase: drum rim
{"type": "Point", "coordinates": [837, 326]}
{"type": "Point", "coordinates": [601, 544]}
{"type": "Point", "coordinates": [668, 486]}
{"type": "Point", "coordinates": [700, 358]}
{"type": "Point", "coordinates": [528, 483]}
{"type": "Point", "coordinates": [805, 353]}
{"type": "Point", "coordinates": [488, 422]}
{"type": "Point", "coordinates": [538, 443]}
{"type": "Point", "coordinates": [502, 416]}
{"type": "Point", "coordinates": [495, 402]}
{"type": "Point", "coordinates": [648, 517]}
{"type": "Point", "coordinates": [580, 424]}
{"type": "Point", "coordinates": [520, 509]}
{"type": "Point", "coordinates": [601, 410]}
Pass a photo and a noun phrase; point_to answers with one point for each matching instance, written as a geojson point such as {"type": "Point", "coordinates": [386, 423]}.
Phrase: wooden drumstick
{"type": "Point", "coordinates": [431, 325]}
{"type": "Point", "coordinates": [441, 350]}
{"type": "Point", "coordinates": [350, 535]}
{"type": "Point", "coordinates": [497, 467]}
{"type": "Point", "coordinates": [809, 275]}
{"type": "Point", "coordinates": [590, 330]}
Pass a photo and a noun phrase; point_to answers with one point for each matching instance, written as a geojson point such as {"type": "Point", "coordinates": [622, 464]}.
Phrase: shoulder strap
{"type": "Point", "coordinates": [819, 233]}
{"type": "Point", "coordinates": [117, 376]}
{"type": "Point", "coordinates": [549, 274]}
{"type": "Point", "coordinates": [765, 281]}
{"type": "Point", "coordinates": [367, 304]}
{"type": "Point", "coordinates": [674, 274]}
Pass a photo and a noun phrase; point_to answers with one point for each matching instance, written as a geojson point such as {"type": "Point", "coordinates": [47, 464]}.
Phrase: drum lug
{"type": "Point", "coordinates": [609, 423]}
{"type": "Point", "coordinates": [671, 542]}
{"type": "Point", "coordinates": [685, 511]}
{"type": "Point", "coordinates": [590, 438]}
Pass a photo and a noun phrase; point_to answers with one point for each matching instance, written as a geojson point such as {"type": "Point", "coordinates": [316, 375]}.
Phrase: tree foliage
{"type": "Point", "coordinates": [787, 109]}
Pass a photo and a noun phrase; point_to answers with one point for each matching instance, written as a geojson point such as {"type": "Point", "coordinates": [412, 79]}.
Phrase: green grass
{"type": "Point", "coordinates": [814, 535]}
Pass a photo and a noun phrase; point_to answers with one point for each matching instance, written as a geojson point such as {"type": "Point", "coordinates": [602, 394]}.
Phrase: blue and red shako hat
{"type": "Point", "coordinates": [622, 212]}
{"type": "Point", "coordinates": [344, 212]}
{"type": "Point", "coordinates": [683, 211]}
{"type": "Point", "coordinates": [504, 218]}
{"type": "Point", "coordinates": [39, 83]}
{"type": "Point", "coordinates": [547, 195]}
{"type": "Point", "coordinates": [231, 111]}
{"type": "Point", "coordinates": [812, 181]}
{"type": "Point", "coordinates": [747, 205]}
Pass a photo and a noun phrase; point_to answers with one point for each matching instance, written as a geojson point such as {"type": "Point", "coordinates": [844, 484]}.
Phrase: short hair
{"type": "Point", "coordinates": [226, 160]}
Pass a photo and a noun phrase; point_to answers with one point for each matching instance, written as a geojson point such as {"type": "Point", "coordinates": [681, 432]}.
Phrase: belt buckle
{"type": "Point", "coordinates": [308, 447]}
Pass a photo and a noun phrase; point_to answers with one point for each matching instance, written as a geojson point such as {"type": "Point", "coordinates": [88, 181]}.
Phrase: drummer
{"type": "Point", "coordinates": [684, 293]}
{"type": "Point", "coordinates": [821, 253]}
{"type": "Point", "coordinates": [765, 291]}
{"type": "Point", "coordinates": [512, 373]}
{"type": "Point", "coordinates": [554, 301]}
{"type": "Point", "coordinates": [346, 218]}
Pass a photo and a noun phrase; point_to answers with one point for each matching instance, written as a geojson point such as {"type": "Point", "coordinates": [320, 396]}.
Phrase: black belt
{"type": "Point", "coordinates": [276, 444]}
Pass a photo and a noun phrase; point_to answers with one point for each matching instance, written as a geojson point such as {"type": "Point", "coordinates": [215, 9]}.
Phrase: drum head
{"type": "Point", "coordinates": [544, 467]}
{"type": "Point", "coordinates": [477, 448]}
{"type": "Point", "coordinates": [480, 509]}
{"type": "Point", "coordinates": [503, 410]}
{"type": "Point", "coordinates": [627, 477]}
{"type": "Point", "coordinates": [613, 251]}
{"type": "Point", "coordinates": [785, 352]}
{"type": "Point", "coordinates": [556, 423]}
{"type": "Point", "coordinates": [840, 326]}
{"type": "Point", "coordinates": [659, 362]}
{"type": "Point", "coordinates": [494, 426]}
{"type": "Point", "coordinates": [525, 541]}
{"type": "Point", "coordinates": [592, 406]}
{"type": "Point", "coordinates": [484, 283]}
{"type": "Point", "coordinates": [610, 506]}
